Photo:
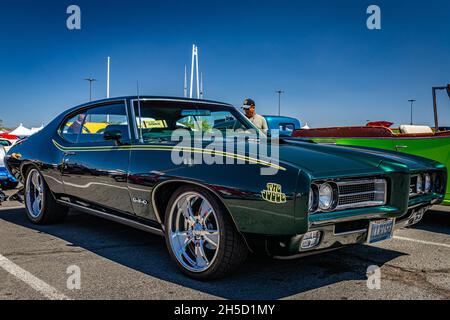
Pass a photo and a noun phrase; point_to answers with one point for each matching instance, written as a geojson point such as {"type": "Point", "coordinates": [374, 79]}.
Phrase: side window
{"type": "Point", "coordinates": [5, 143]}
{"type": "Point", "coordinates": [72, 127]}
{"type": "Point", "coordinates": [89, 125]}
{"type": "Point", "coordinates": [100, 119]}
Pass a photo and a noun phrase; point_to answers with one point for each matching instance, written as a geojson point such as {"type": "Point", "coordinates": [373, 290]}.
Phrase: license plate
{"type": "Point", "coordinates": [381, 230]}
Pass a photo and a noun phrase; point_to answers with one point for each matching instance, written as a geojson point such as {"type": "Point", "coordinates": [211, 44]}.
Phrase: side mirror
{"type": "Point", "coordinates": [114, 135]}
{"type": "Point", "coordinates": [448, 90]}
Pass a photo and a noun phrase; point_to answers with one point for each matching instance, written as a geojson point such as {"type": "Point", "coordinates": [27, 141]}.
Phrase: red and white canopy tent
{"type": "Point", "coordinates": [21, 131]}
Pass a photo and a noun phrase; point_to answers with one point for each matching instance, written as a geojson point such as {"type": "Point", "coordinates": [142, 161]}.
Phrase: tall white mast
{"type": "Point", "coordinates": [196, 67]}
{"type": "Point", "coordinates": [185, 82]}
{"type": "Point", "coordinates": [198, 79]}
{"type": "Point", "coordinates": [194, 50]}
{"type": "Point", "coordinates": [107, 77]}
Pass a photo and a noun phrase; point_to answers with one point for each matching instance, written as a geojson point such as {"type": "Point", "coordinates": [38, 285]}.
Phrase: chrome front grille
{"type": "Point", "coordinates": [361, 193]}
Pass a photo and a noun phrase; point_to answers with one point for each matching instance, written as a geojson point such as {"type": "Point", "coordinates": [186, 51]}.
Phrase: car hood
{"type": "Point", "coordinates": [325, 160]}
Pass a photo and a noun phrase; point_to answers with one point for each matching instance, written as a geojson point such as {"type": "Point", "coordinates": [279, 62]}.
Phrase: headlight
{"type": "Point", "coordinates": [428, 185]}
{"type": "Point", "coordinates": [419, 184]}
{"type": "Point", "coordinates": [326, 198]}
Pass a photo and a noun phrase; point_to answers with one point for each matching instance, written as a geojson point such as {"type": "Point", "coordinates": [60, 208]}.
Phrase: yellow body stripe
{"type": "Point", "coordinates": [168, 148]}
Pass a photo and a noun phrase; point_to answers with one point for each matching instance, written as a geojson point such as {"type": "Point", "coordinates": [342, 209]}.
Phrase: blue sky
{"type": "Point", "coordinates": [334, 70]}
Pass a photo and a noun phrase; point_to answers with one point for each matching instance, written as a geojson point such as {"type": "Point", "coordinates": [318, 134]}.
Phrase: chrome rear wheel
{"type": "Point", "coordinates": [41, 206]}
{"type": "Point", "coordinates": [34, 193]}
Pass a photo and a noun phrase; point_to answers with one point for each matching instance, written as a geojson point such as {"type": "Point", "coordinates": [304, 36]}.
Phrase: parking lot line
{"type": "Point", "coordinates": [11, 208]}
{"type": "Point", "coordinates": [423, 242]}
{"type": "Point", "coordinates": [37, 284]}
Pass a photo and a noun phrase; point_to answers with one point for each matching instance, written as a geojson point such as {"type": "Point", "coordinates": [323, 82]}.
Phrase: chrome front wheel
{"type": "Point", "coordinates": [194, 232]}
{"type": "Point", "coordinates": [201, 236]}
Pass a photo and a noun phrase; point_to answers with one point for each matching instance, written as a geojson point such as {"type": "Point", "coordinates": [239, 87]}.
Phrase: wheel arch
{"type": "Point", "coordinates": [160, 199]}
{"type": "Point", "coordinates": [26, 166]}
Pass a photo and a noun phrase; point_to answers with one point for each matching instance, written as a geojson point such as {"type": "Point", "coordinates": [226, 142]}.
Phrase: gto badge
{"type": "Point", "coordinates": [273, 194]}
{"type": "Point", "coordinates": [140, 201]}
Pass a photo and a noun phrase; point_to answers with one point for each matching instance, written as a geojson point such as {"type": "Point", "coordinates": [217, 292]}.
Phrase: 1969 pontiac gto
{"type": "Point", "coordinates": [114, 159]}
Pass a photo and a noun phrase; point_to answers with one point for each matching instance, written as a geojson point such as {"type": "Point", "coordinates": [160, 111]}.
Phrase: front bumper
{"type": "Point", "coordinates": [340, 233]}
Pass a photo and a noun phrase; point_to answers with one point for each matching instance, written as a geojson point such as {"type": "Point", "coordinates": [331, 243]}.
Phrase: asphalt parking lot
{"type": "Point", "coordinates": [118, 262]}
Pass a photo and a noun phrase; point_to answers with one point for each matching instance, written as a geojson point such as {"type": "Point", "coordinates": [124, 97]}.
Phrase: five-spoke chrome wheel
{"type": "Point", "coordinates": [194, 232]}
{"type": "Point", "coordinates": [34, 193]}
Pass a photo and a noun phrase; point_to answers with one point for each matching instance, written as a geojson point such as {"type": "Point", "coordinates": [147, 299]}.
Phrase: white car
{"type": "Point", "coordinates": [2, 155]}
{"type": "Point", "coordinates": [6, 144]}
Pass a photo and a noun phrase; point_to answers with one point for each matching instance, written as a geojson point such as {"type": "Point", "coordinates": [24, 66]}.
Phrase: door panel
{"type": "Point", "coordinates": [96, 170]}
{"type": "Point", "coordinates": [99, 177]}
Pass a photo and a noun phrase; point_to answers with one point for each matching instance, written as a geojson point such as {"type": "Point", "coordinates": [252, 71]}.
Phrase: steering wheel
{"type": "Point", "coordinates": [85, 130]}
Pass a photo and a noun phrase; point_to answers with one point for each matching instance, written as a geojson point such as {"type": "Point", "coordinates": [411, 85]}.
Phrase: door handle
{"type": "Point", "coordinates": [400, 147]}
{"type": "Point", "coordinates": [70, 153]}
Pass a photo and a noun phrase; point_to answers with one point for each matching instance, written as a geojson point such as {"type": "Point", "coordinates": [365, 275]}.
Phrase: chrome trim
{"type": "Point", "coordinates": [251, 125]}
{"type": "Point", "coordinates": [367, 216]}
{"type": "Point", "coordinates": [128, 120]}
{"type": "Point", "coordinates": [417, 194]}
{"type": "Point", "coordinates": [406, 222]}
{"type": "Point", "coordinates": [133, 115]}
{"type": "Point", "coordinates": [114, 218]}
{"type": "Point", "coordinates": [360, 193]}
{"type": "Point", "coordinates": [357, 182]}
{"type": "Point", "coordinates": [184, 100]}
{"type": "Point", "coordinates": [362, 204]}
{"type": "Point", "coordinates": [87, 107]}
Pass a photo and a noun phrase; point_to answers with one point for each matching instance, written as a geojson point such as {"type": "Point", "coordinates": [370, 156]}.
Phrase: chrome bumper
{"type": "Point", "coordinates": [330, 239]}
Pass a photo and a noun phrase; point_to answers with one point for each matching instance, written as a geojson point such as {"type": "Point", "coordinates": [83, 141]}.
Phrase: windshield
{"type": "Point", "coordinates": [158, 120]}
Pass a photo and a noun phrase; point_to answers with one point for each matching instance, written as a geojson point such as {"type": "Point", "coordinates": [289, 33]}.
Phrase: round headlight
{"type": "Point", "coordinates": [428, 185]}
{"type": "Point", "coordinates": [325, 197]}
{"type": "Point", "coordinates": [419, 184]}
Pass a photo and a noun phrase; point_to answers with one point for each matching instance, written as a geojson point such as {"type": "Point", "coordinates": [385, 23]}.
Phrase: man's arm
{"type": "Point", "coordinates": [264, 126]}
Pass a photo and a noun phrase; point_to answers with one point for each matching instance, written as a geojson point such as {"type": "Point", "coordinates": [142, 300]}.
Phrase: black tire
{"type": "Point", "coordinates": [51, 212]}
{"type": "Point", "coordinates": [232, 249]}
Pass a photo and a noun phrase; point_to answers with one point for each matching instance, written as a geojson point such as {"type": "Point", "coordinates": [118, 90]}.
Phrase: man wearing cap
{"type": "Point", "coordinates": [257, 120]}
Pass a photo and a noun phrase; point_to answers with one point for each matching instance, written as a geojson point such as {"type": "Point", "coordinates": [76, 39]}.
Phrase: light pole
{"type": "Point", "coordinates": [412, 103]}
{"type": "Point", "coordinates": [280, 92]}
{"type": "Point", "coordinates": [90, 86]}
{"type": "Point", "coordinates": [436, 120]}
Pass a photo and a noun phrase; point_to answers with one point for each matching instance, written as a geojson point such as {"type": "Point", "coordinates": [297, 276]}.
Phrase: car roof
{"type": "Point", "coordinates": [157, 98]}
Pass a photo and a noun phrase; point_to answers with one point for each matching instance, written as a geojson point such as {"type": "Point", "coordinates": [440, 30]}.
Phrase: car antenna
{"type": "Point", "coordinates": [141, 139]}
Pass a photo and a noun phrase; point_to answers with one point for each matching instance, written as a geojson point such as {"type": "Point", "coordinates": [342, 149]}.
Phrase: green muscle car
{"type": "Point", "coordinates": [117, 159]}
